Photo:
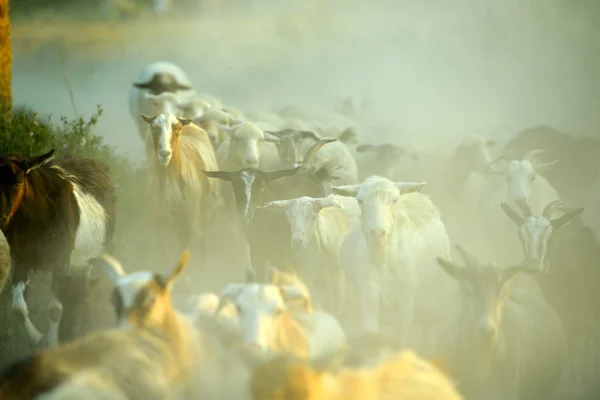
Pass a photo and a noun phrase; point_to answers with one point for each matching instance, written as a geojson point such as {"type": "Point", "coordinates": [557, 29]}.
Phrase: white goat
{"type": "Point", "coordinates": [176, 182]}
{"type": "Point", "coordinates": [156, 78]}
{"type": "Point", "coordinates": [269, 326]}
{"type": "Point", "coordinates": [393, 254]}
{"type": "Point", "coordinates": [522, 183]}
{"type": "Point", "coordinates": [318, 227]}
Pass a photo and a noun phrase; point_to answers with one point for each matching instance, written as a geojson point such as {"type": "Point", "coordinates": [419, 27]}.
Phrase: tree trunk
{"type": "Point", "coordinates": [5, 57]}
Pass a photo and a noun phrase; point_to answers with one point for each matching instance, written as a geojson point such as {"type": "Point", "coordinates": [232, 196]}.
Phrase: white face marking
{"type": "Point", "coordinates": [378, 203]}
{"type": "Point", "coordinates": [258, 306]}
{"type": "Point", "coordinates": [128, 287]}
{"type": "Point", "coordinates": [91, 231]}
{"type": "Point", "coordinates": [534, 235]}
{"type": "Point", "coordinates": [519, 177]}
{"type": "Point", "coordinates": [248, 179]}
{"type": "Point", "coordinates": [302, 217]}
{"type": "Point", "coordinates": [246, 146]}
{"type": "Point", "coordinates": [162, 130]}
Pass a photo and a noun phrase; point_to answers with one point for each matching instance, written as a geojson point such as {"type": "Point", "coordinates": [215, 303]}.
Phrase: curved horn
{"type": "Point", "coordinates": [512, 214]}
{"type": "Point", "coordinates": [314, 149]}
{"type": "Point", "coordinates": [111, 267]}
{"type": "Point", "coordinates": [549, 209]}
{"type": "Point", "coordinates": [531, 154]}
{"type": "Point", "coordinates": [308, 135]}
{"type": "Point", "coordinates": [468, 258]}
{"type": "Point", "coordinates": [525, 207]}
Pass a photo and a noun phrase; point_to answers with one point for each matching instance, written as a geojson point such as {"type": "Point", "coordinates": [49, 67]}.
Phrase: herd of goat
{"type": "Point", "coordinates": [353, 288]}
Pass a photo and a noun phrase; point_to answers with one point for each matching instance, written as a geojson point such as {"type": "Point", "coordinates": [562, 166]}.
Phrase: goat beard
{"type": "Point", "coordinates": [378, 252]}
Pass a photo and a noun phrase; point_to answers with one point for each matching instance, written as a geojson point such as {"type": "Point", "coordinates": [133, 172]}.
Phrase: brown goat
{"type": "Point", "coordinates": [57, 214]}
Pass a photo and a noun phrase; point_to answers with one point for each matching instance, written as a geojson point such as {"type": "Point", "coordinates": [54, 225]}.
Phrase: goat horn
{"type": "Point", "coordinates": [468, 258]}
{"type": "Point", "coordinates": [497, 160]}
{"type": "Point", "coordinates": [525, 207]}
{"type": "Point", "coordinates": [314, 149]}
{"type": "Point", "coordinates": [549, 209]}
{"type": "Point", "coordinates": [532, 153]}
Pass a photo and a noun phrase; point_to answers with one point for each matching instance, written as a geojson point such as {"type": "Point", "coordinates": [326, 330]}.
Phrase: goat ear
{"type": "Point", "coordinates": [179, 268]}
{"type": "Point", "coordinates": [410, 187]}
{"type": "Point", "coordinates": [563, 219]}
{"type": "Point", "coordinates": [148, 118]}
{"type": "Point", "coordinates": [277, 205]}
{"type": "Point", "coordinates": [512, 214]}
{"type": "Point", "coordinates": [348, 190]}
{"type": "Point", "coordinates": [111, 267]}
{"type": "Point", "coordinates": [270, 138]}
{"type": "Point", "coordinates": [272, 176]}
{"type": "Point", "coordinates": [544, 167]}
{"type": "Point", "coordinates": [452, 269]}
{"type": "Point", "coordinates": [184, 121]}
{"type": "Point", "coordinates": [180, 86]}
{"type": "Point", "coordinates": [34, 162]}
{"type": "Point", "coordinates": [142, 85]}
{"type": "Point", "coordinates": [224, 175]}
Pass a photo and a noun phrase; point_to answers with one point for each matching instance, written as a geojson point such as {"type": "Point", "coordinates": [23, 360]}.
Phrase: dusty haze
{"type": "Point", "coordinates": [433, 69]}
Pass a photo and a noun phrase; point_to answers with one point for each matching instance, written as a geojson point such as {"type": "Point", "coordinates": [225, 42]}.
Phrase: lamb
{"type": "Point", "coordinates": [57, 214]}
{"type": "Point", "coordinates": [176, 183]}
{"type": "Point", "coordinates": [268, 326]}
{"type": "Point", "coordinates": [154, 79]}
{"type": "Point", "coordinates": [391, 256]}
{"type": "Point", "coordinates": [404, 376]}
{"type": "Point", "coordinates": [501, 343]}
{"type": "Point", "coordinates": [318, 227]}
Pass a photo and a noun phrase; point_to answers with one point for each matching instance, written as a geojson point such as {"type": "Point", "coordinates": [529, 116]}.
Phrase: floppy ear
{"type": "Point", "coordinates": [512, 214]}
{"type": "Point", "coordinates": [224, 175]}
{"type": "Point", "coordinates": [348, 190]}
{"type": "Point", "coordinates": [181, 266]}
{"type": "Point", "coordinates": [562, 220]}
{"type": "Point", "coordinates": [34, 162]}
{"type": "Point", "coordinates": [111, 267]}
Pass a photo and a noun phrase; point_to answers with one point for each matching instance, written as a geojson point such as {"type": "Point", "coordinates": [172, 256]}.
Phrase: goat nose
{"type": "Point", "coordinates": [164, 153]}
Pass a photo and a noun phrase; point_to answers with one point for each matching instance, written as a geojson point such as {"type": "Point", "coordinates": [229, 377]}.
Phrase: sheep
{"type": "Point", "coordinates": [335, 158]}
{"type": "Point", "coordinates": [404, 376]}
{"type": "Point", "coordinates": [568, 252]}
{"type": "Point", "coordinates": [244, 146]}
{"type": "Point", "coordinates": [176, 183]}
{"type": "Point", "coordinates": [57, 214]}
{"type": "Point", "coordinates": [268, 326]}
{"type": "Point", "coordinates": [5, 260]}
{"type": "Point", "coordinates": [391, 256]}
{"type": "Point", "coordinates": [154, 79]}
{"type": "Point", "coordinates": [210, 120]}
{"type": "Point", "coordinates": [318, 227]}
{"type": "Point", "coordinates": [154, 350]}
{"type": "Point", "coordinates": [501, 343]}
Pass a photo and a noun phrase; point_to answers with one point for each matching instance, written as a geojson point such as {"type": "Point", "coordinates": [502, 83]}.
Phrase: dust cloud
{"type": "Point", "coordinates": [431, 69]}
